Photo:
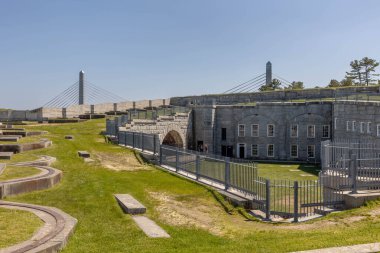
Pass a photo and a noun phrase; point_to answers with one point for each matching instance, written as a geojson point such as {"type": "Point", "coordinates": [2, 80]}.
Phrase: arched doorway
{"type": "Point", "coordinates": [173, 138]}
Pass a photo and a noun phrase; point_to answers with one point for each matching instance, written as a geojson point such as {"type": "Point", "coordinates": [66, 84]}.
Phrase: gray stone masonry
{"type": "Point", "coordinates": [129, 204]}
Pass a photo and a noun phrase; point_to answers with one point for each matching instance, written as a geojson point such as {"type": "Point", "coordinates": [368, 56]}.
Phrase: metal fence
{"type": "Point", "coordinates": [351, 165]}
{"type": "Point", "coordinates": [152, 114]}
{"type": "Point", "coordinates": [283, 199]}
{"type": "Point", "coordinates": [140, 141]}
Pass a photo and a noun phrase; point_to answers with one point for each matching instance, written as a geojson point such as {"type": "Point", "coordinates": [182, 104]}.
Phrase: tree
{"type": "Point", "coordinates": [347, 82]}
{"type": "Point", "coordinates": [296, 86]}
{"type": "Point", "coordinates": [361, 71]}
{"type": "Point", "coordinates": [334, 83]}
{"type": "Point", "coordinates": [368, 65]}
{"type": "Point", "coordinates": [274, 85]}
{"type": "Point", "coordinates": [355, 73]}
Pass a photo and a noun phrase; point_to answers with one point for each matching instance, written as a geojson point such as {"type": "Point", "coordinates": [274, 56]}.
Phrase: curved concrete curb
{"type": "Point", "coordinates": [54, 234]}
{"type": "Point", "coordinates": [46, 179]}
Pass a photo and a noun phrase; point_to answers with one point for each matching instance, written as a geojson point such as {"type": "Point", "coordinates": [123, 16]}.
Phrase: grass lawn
{"type": "Point", "coordinates": [13, 172]}
{"type": "Point", "coordinates": [287, 171]}
{"type": "Point", "coordinates": [27, 139]}
{"type": "Point", "coordinates": [188, 212]}
{"type": "Point", "coordinates": [17, 226]}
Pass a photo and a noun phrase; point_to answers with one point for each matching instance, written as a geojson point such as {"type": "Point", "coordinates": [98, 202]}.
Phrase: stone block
{"type": "Point", "coordinates": [356, 200]}
{"type": "Point", "coordinates": [150, 228]}
{"type": "Point", "coordinates": [84, 154]}
{"type": "Point", "coordinates": [6, 155]}
{"type": "Point", "coordinates": [129, 204]}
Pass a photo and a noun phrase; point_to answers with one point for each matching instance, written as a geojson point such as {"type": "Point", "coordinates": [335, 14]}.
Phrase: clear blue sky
{"type": "Point", "coordinates": [155, 49]}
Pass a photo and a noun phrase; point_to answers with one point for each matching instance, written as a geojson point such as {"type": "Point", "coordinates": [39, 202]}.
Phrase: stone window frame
{"type": "Point", "coordinates": [369, 127]}
{"type": "Point", "coordinates": [310, 136]}
{"type": "Point", "coordinates": [323, 131]}
{"type": "Point", "coordinates": [291, 150]}
{"type": "Point", "coordinates": [296, 131]}
{"type": "Point", "coordinates": [309, 146]}
{"type": "Point", "coordinates": [273, 130]}
{"type": "Point", "coordinates": [270, 145]}
{"type": "Point", "coordinates": [258, 130]}
{"type": "Point", "coordinates": [348, 126]}
{"type": "Point", "coordinates": [353, 127]}
{"type": "Point", "coordinates": [257, 150]}
{"type": "Point", "coordinates": [239, 131]}
{"type": "Point", "coordinates": [362, 127]}
{"type": "Point", "coordinates": [335, 123]}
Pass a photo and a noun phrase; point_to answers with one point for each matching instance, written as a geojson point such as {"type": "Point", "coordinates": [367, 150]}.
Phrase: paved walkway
{"type": "Point", "coordinates": [360, 248]}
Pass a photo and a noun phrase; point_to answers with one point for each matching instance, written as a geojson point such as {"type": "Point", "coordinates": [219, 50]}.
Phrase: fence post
{"type": "Point", "coordinates": [295, 201]}
{"type": "Point", "coordinates": [125, 139]}
{"type": "Point", "coordinates": [142, 142]}
{"type": "Point", "coordinates": [176, 160]}
{"type": "Point", "coordinates": [197, 166]}
{"type": "Point", "coordinates": [354, 165]}
{"type": "Point", "coordinates": [154, 144]}
{"type": "Point", "coordinates": [133, 140]}
{"type": "Point", "coordinates": [227, 173]}
{"type": "Point", "coordinates": [267, 199]}
{"type": "Point", "coordinates": [161, 154]}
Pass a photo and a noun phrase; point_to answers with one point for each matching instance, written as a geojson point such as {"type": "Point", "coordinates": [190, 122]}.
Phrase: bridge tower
{"type": "Point", "coordinates": [81, 87]}
{"type": "Point", "coordinates": [268, 73]}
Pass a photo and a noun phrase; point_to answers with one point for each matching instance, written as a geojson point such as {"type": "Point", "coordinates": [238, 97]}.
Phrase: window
{"type": "Point", "coordinates": [294, 150]}
{"type": "Point", "coordinates": [335, 123]}
{"type": "Point", "coordinates": [311, 151]}
{"type": "Point", "coordinates": [326, 131]}
{"type": "Point", "coordinates": [353, 126]}
{"type": "Point", "coordinates": [348, 126]}
{"type": "Point", "coordinates": [224, 134]}
{"type": "Point", "coordinates": [378, 130]}
{"type": "Point", "coordinates": [270, 150]}
{"type": "Point", "coordinates": [255, 130]}
{"type": "Point", "coordinates": [311, 131]}
{"type": "Point", "coordinates": [241, 131]}
{"type": "Point", "coordinates": [368, 127]}
{"type": "Point", "coordinates": [255, 150]}
{"type": "Point", "coordinates": [294, 131]}
{"type": "Point", "coordinates": [270, 130]}
{"type": "Point", "coordinates": [362, 127]}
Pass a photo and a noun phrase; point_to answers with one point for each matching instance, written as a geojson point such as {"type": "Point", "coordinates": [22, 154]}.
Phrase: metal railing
{"type": "Point", "coordinates": [351, 165]}
{"type": "Point", "coordinates": [275, 198]}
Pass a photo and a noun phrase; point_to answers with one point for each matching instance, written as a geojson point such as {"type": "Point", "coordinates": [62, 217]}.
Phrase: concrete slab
{"type": "Point", "coordinates": [84, 154]}
{"type": "Point", "coordinates": [150, 228]}
{"type": "Point", "coordinates": [9, 138]}
{"type": "Point", "coordinates": [360, 248]}
{"type": "Point", "coordinates": [356, 200]}
{"type": "Point", "coordinates": [129, 204]}
{"type": "Point", "coordinates": [6, 155]}
{"type": "Point", "coordinates": [236, 200]}
{"type": "Point", "coordinates": [2, 167]}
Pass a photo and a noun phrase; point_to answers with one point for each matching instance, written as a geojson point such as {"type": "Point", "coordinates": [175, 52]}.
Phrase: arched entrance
{"type": "Point", "coordinates": [173, 138]}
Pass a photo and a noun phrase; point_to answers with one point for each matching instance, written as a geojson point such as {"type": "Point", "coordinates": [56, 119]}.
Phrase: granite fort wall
{"type": "Point", "coordinates": [354, 120]}
{"type": "Point", "coordinates": [227, 99]}
{"type": "Point", "coordinates": [209, 122]}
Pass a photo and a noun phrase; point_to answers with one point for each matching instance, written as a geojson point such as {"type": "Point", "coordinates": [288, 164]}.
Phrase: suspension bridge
{"type": "Point", "coordinates": [82, 92]}
{"type": "Point", "coordinates": [254, 84]}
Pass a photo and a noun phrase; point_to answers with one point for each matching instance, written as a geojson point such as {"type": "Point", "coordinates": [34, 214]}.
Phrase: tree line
{"type": "Point", "coordinates": [362, 73]}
